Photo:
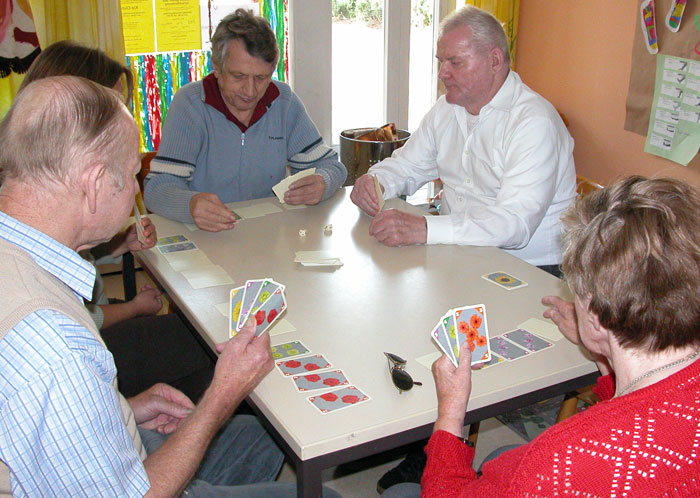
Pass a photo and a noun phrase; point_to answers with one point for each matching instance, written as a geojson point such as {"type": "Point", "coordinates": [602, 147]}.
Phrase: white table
{"type": "Point", "coordinates": [382, 299]}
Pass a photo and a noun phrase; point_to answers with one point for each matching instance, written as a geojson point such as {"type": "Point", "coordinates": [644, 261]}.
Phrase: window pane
{"type": "Point", "coordinates": [420, 81]}
{"type": "Point", "coordinates": [358, 65]}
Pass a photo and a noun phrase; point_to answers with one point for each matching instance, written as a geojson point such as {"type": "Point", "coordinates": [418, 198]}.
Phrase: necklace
{"type": "Point", "coordinates": [636, 380]}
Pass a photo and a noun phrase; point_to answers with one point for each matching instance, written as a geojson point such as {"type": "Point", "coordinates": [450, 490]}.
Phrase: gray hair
{"type": "Point", "coordinates": [487, 31]}
{"type": "Point", "coordinates": [57, 125]}
{"type": "Point", "coordinates": [634, 249]}
{"type": "Point", "coordinates": [254, 31]}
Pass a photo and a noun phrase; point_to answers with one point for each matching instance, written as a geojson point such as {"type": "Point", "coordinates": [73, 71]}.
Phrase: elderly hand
{"type": "Point", "coordinates": [563, 314]}
{"type": "Point", "coordinates": [307, 190]}
{"type": "Point", "coordinates": [149, 232]}
{"type": "Point", "coordinates": [244, 361]}
{"type": "Point", "coordinates": [210, 214]}
{"type": "Point", "coordinates": [453, 386]}
{"type": "Point", "coordinates": [147, 301]}
{"type": "Point", "coordinates": [396, 228]}
{"type": "Point", "coordinates": [364, 194]}
{"type": "Point", "coordinates": [160, 408]}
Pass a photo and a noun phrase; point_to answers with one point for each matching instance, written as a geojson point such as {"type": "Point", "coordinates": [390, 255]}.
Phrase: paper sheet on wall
{"type": "Point", "coordinates": [137, 26]}
{"type": "Point", "coordinates": [178, 26]}
{"type": "Point", "coordinates": [674, 123]}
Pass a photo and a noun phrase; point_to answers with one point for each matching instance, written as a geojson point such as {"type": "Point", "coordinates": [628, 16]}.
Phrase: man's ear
{"type": "Point", "coordinates": [496, 59]}
{"type": "Point", "coordinates": [217, 70]}
{"type": "Point", "coordinates": [91, 184]}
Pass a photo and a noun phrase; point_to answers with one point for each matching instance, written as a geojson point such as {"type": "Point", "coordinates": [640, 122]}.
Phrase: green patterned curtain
{"type": "Point", "coordinates": [277, 13]}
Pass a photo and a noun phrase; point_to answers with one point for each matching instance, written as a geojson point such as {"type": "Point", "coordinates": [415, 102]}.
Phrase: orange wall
{"type": "Point", "coordinates": [576, 54]}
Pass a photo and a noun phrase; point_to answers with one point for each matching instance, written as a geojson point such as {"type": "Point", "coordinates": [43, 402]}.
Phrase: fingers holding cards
{"type": "Point", "coordinates": [263, 299]}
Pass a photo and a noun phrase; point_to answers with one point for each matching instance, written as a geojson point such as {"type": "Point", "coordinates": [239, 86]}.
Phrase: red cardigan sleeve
{"type": "Point", "coordinates": [449, 466]}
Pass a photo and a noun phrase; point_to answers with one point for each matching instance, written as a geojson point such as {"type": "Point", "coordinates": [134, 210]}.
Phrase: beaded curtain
{"type": "Point", "coordinates": [158, 76]}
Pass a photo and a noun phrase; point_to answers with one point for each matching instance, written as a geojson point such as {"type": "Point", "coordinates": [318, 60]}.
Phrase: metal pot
{"type": "Point", "coordinates": [359, 155]}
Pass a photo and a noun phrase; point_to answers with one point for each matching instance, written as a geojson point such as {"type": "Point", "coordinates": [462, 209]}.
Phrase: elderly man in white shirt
{"type": "Point", "coordinates": [501, 150]}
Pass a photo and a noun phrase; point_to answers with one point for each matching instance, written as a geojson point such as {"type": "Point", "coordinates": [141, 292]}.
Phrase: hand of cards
{"type": "Point", "coordinates": [460, 325]}
{"type": "Point", "coordinates": [263, 299]}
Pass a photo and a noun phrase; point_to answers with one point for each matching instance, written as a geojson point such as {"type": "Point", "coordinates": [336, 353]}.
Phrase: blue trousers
{"type": "Point", "coordinates": [242, 461]}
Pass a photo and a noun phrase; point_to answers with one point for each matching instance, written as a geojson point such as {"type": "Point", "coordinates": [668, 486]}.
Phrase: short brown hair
{"type": "Point", "coordinates": [634, 249]}
{"type": "Point", "coordinates": [58, 124]}
{"type": "Point", "coordinates": [254, 31]}
{"type": "Point", "coordinates": [73, 59]}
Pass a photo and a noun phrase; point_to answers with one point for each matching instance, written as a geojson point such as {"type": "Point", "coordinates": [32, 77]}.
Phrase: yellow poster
{"type": "Point", "coordinates": [137, 22]}
{"type": "Point", "coordinates": [177, 25]}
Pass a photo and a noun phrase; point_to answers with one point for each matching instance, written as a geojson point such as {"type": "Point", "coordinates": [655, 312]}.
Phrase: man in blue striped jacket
{"type": "Point", "coordinates": [230, 136]}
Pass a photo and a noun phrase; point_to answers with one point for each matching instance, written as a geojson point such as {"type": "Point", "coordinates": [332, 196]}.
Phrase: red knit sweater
{"type": "Point", "coordinates": [644, 444]}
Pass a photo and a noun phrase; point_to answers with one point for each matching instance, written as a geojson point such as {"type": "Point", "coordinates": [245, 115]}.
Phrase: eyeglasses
{"type": "Point", "coordinates": [400, 377]}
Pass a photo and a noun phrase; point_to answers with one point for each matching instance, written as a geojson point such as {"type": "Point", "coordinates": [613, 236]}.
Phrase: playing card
{"type": "Point", "coordinates": [235, 309]}
{"type": "Point", "coordinates": [281, 188]}
{"type": "Point", "coordinates": [252, 287]}
{"type": "Point", "coordinates": [335, 400]}
{"type": "Point", "coordinates": [440, 337]}
{"type": "Point", "coordinates": [172, 239]}
{"type": "Point", "coordinates": [182, 246]}
{"type": "Point", "coordinates": [495, 360]}
{"type": "Point", "coordinates": [269, 311]}
{"type": "Point", "coordinates": [448, 323]}
{"type": "Point", "coordinates": [380, 194]}
{"type": "Point", "coordinates": [139, 228]}
{"type": "Point", "coordinates": [471, 327]}
{"type": "Point", "coordinates": [506, 349]}
{"type": "Point", "coordinates": [296, 366]}
{"type": "Point", "coordinates": [323, 380]}
{"type": "Point", "coordinates": [503, 279]}
{"type": "Point", "coordinates": [527, 340]}
{"type": "Point", "coordinates": [288, 349]}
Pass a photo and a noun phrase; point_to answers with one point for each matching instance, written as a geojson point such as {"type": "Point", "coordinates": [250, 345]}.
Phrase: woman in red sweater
{"type": "Point", "coordinates": [632, 259]}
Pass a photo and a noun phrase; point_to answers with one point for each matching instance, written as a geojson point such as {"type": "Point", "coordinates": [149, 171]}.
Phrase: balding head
{"type": "Point", "coordinates": [57, 125]}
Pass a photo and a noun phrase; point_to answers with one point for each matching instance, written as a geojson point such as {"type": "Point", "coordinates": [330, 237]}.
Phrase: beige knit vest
{"type": "Point", "coordinates": [29, 288]}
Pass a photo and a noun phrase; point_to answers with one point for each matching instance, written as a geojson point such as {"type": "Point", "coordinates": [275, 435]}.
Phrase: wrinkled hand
{"type": "Point", "coordinates": [160, 408]}
{"type": "Point", "coordinates": [396, 228]}
{"type": "Point", "coordinates": [307, 190]}
{"type": "Point", "coordinates": [364, 195]}
{"type": "Point", "coordinates": [148, 301]}
{"type": "Point", "coordinates": [149, 232]}
{"type": "Point", "coordinates": [210, 214]}
{"type": "Point", "coordinates": [244, 361]}
{"type": "Point", "coordinates": [453, 386]}
{"type": "Point", "coordinates": [563, 314]}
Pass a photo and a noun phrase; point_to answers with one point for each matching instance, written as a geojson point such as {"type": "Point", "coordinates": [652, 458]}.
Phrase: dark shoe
{"type": "Point", "coordinates": [409, 470]}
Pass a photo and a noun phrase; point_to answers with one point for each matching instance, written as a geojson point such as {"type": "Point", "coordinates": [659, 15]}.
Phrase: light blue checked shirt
{"type": "Point", "coordinates": [61, 432]}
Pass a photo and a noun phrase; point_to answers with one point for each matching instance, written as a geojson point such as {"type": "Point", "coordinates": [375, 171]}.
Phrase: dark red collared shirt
{"type": "Point", "coordinates": [212, 97]}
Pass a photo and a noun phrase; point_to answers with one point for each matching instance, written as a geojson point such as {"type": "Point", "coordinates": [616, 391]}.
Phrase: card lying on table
{"type": "Point", "coordinates": [464, 325]}
{"type": "Point", "coordinates": [306, 364]}
{"type": "Point", "coordinates": [323, 380]}
{"type": "Point", "coordinates": [335, 400]}
{"type": "Point", "coordinates": [505, 280]}
{"type": "Point", "coordinates": [263, 299]}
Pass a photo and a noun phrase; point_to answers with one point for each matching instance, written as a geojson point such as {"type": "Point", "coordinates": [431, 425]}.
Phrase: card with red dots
{"type": "Point", "coordinates": [321, 380]}
{"type": "Point", "coordinates": [269, 311]}
{"type": "Point", "coordinates": [336, 400]}
{"type": "Point", "coordinates": [262, 299]}
{"type": "Point", "coordinates": [296, 366]}
{"type": "Point", "coordinates": [471, 328]}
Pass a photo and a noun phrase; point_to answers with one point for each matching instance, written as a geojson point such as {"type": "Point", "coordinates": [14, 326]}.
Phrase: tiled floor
{"type": "Point", "coordinates": [357, 479]}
